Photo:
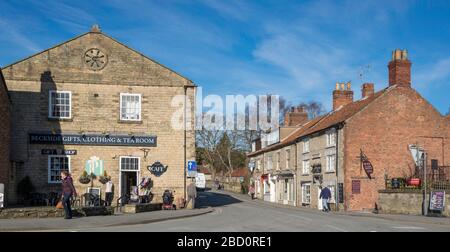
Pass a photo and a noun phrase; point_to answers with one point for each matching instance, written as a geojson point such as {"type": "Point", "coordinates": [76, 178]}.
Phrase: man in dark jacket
{"type": "Point", "coordinates": [325, 195]}
{"type": "Point", "coordinates": [68, 190]}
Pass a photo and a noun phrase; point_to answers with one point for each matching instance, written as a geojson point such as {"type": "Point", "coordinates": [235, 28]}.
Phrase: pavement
{"type": "Point", "coordinates": [93, 222]}
{"type": "Point", "coordinates": [221, 211]}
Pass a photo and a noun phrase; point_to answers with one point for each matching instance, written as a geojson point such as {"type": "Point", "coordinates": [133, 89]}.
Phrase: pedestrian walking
{"type": "Point", "coordinates": [68, 191]}
{"type": "Point", "coordinates": [252, 191]}
{"type": "Point", "coordinates": [191, 193]}
{"type": "Point", "coordinates": [325, 195]}
{"type": "Point", "coordinates": [108, 193]}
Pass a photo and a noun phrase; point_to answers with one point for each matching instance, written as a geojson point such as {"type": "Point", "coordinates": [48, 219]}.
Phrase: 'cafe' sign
{"type": "Point", "coordinates": [157, 168]}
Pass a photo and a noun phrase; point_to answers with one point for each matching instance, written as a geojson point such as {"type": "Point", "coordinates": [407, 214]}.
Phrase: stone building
{"type": "Point", "coordinates": [5, 106]}
{"type": "Point", "coordinates": [358, 144]}
{"type": "Point", "coordinates": [93, 104]}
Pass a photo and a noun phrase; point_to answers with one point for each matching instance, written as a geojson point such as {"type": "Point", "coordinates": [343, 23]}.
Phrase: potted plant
{"type": "Point", "coordinates": [104, 178]}
{"type": "Point", "coordinates": [85, 178]}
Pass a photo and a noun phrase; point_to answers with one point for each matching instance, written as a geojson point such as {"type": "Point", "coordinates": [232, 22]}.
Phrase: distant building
{"type": "Point", "coordinates": [378, 129]}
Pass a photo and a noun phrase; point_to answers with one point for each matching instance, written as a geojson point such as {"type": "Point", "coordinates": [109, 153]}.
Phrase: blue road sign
{"type": "Point", "coordinates": [192, 166]}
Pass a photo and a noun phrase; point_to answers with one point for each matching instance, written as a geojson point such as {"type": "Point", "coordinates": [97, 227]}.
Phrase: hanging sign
{"type": "Point", "coordinates": [94, 166]}
{"type": "Point", "coordinates": [157, 168]}
{"type": "Point", "coordinates": [367, 165]}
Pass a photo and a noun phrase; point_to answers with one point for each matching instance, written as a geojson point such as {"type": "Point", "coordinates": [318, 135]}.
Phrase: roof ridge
{"type": "Point", "coordinates": [107, 36]}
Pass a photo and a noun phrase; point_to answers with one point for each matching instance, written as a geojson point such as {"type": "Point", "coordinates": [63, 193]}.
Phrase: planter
{"type": "Point", "coordinates": [104, 180]}
{"type": "Point", "coordinates": [84, 180]}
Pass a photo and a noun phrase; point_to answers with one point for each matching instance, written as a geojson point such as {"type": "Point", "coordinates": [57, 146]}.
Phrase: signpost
{"type": "Point", "coordinates": [192, 169]}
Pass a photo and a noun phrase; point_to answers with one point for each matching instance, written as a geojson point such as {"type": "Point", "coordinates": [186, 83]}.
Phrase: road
{"type": "Point", "coordinates": [235, 213]}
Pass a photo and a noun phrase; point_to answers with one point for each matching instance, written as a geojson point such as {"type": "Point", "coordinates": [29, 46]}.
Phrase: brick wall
{"type": "Point", "coordinates": [383, 130]}
{"type": "Point", "coordinates": [4, 133]}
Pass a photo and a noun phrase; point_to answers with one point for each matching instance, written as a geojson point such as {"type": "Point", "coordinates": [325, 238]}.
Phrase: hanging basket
{"type": "Point", "coordinates": [103, 179]}
{"type": "Point", "coordinates": [84, 180]}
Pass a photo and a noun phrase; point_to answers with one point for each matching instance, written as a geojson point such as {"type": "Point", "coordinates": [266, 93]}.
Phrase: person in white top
{"type": "Point", "coordinates": [108, 193]}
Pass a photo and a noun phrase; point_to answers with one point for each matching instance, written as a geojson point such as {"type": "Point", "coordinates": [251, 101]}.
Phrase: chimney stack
{"type": "Point", "coordinates": [343, 95]}
{"type": "Point", "coordinates": [295, 116]}
{"type": "Point", "coordinates": [367, 89]}
{"type": "Point", "coordinates": [400, 69]}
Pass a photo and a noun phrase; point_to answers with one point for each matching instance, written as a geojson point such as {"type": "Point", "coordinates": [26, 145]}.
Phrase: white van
{"type": "Point", "coordinates": [200, 181]}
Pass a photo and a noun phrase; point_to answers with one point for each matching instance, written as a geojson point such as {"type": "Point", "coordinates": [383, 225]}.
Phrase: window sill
{"type": "Point", "coordinates": [130, 122]}
{"type": "Point", "coordinates": [305, 174]}
{"type": "Point", "coordinates": [55, 119]}
{"type": "Point", "coordinates": [307, 152]}
{"type": "Point", "coordinates": [329, 172]}
{"type": "Point", "coordinates": [330, 146]}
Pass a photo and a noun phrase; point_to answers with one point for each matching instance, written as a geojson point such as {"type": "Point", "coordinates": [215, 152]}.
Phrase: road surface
{"type": "Point", "coordinates": [237, 213]}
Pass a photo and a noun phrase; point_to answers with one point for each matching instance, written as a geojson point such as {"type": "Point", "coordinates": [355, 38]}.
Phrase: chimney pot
{"type": "Point", "coordinates": [367, 89]}
{"type": "Point", "coordinates": [342, 96]}
{"type": "Point", "coordinates": [400, 69]}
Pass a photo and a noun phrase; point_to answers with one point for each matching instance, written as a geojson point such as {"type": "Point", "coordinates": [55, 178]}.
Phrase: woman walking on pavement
{"type": "Point", "coordinates": [252, 191]}
{"type": "Point", "coordinates": [68, 191]}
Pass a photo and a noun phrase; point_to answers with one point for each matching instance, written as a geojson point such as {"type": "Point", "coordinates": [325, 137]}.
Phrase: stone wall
{"type": "Point", "coordinates": [406, 203]}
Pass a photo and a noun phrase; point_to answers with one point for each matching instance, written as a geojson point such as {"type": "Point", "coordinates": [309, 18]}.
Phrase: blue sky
{"type": "Point", "coordinates": [297, 49]}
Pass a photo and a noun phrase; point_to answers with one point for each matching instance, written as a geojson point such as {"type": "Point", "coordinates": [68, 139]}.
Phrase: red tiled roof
{"type": "Point", "coordinates": [321, 123]}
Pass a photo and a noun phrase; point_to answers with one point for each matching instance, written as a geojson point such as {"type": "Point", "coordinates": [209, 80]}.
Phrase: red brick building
{"type": "Point", "coordinates": [381, 125]}
{"type": "Point", "coordinates": [4, 133]}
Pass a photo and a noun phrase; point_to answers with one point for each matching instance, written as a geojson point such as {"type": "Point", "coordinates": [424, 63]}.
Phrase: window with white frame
{"type": "Point", "coordinates": [306, 193]}
{"type": "Point", "coordinates": [57, 164]}
{"type": "Point", "coordinates": [288, 158]}
{"type": "Point", "coordinates": [60, 104]}
{"type": "Point", "coordinates": [306, 165]}
{"type": "Point", "coordinates": [129, 164]}
{"type": "Point", "coordinates": [258, 164]}
{"type": "Point", "coordinates": [331, 138]}
{"type": "Point", "coordinates": [130, 107]}
{"type": "Point", "coordinates": [331, 163]}
{"type": "Point", "coordinates": [306, 146]}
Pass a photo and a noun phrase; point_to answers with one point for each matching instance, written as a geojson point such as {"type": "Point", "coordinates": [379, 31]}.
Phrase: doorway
{"type": "Point", "coordinates": [128, 181]}
{"type": "Point", "coordinates": [319, 200]}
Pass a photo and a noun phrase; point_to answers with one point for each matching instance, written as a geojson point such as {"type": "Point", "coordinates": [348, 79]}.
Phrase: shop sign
{"type": "Point", "coordinates": [157, 168]}
{"type": "Point", "coordinates": [94, 166]}
{"type": "Point", "coordinates": [356, 186]}
{"type": "Point", "coordinates": [85, 139]}
{"type": "Point", "coordinates": [58, 152]}
{"type": "Point", "coordinates": [341, 192]}
{"type": "Point", "coordinates": [367, 165]}
{"type": "Point", "coordinates": [437, 200]}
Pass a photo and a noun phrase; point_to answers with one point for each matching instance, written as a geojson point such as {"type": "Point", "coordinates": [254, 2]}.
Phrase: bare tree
{"type": "Point", "coordinates": [313, 108]}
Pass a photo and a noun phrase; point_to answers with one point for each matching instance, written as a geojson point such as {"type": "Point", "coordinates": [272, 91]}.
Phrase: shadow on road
{"type": "Point", "coordinates": [212, 199]}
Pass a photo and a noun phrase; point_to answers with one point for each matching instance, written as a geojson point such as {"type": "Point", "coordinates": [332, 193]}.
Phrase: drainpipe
{"type": "Point", "coordinates": [336, 188]}
{"type": "Point", "coordinates": [184, 145]}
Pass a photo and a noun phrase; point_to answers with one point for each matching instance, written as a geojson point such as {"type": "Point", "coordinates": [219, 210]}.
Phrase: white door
{"type": "Point", "coordinates": [319, 200]}
{"type": "Point", "coordinates": [273, 194]}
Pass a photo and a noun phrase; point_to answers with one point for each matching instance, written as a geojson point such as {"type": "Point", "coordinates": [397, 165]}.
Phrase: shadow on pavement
{"type": "Point", "coordinates": [212, 199]}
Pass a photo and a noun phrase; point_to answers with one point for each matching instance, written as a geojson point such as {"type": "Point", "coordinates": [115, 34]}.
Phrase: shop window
{"type": "Point", "coordinates": [60, 104]}
{"type": "Point", "coordinates": [306, 193]}
{"type": "Point", "coordinates": [130, 107]}
{"type": "Point", "coordinates": [129, 163]}
{"type": "Point", "coordinates": [57, 164]}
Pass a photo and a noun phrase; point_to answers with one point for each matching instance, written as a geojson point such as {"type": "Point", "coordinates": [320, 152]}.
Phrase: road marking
{"type": "Point", "coordinates": [336, 228]}
{"type": "Point", "coordinates": [412, 228]}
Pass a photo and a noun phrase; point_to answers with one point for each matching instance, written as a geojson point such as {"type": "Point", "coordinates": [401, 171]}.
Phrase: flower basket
{"type": "Point", "coordinates": [84, 180]}
{"type": "Point", "coordinates": [104, 179]}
